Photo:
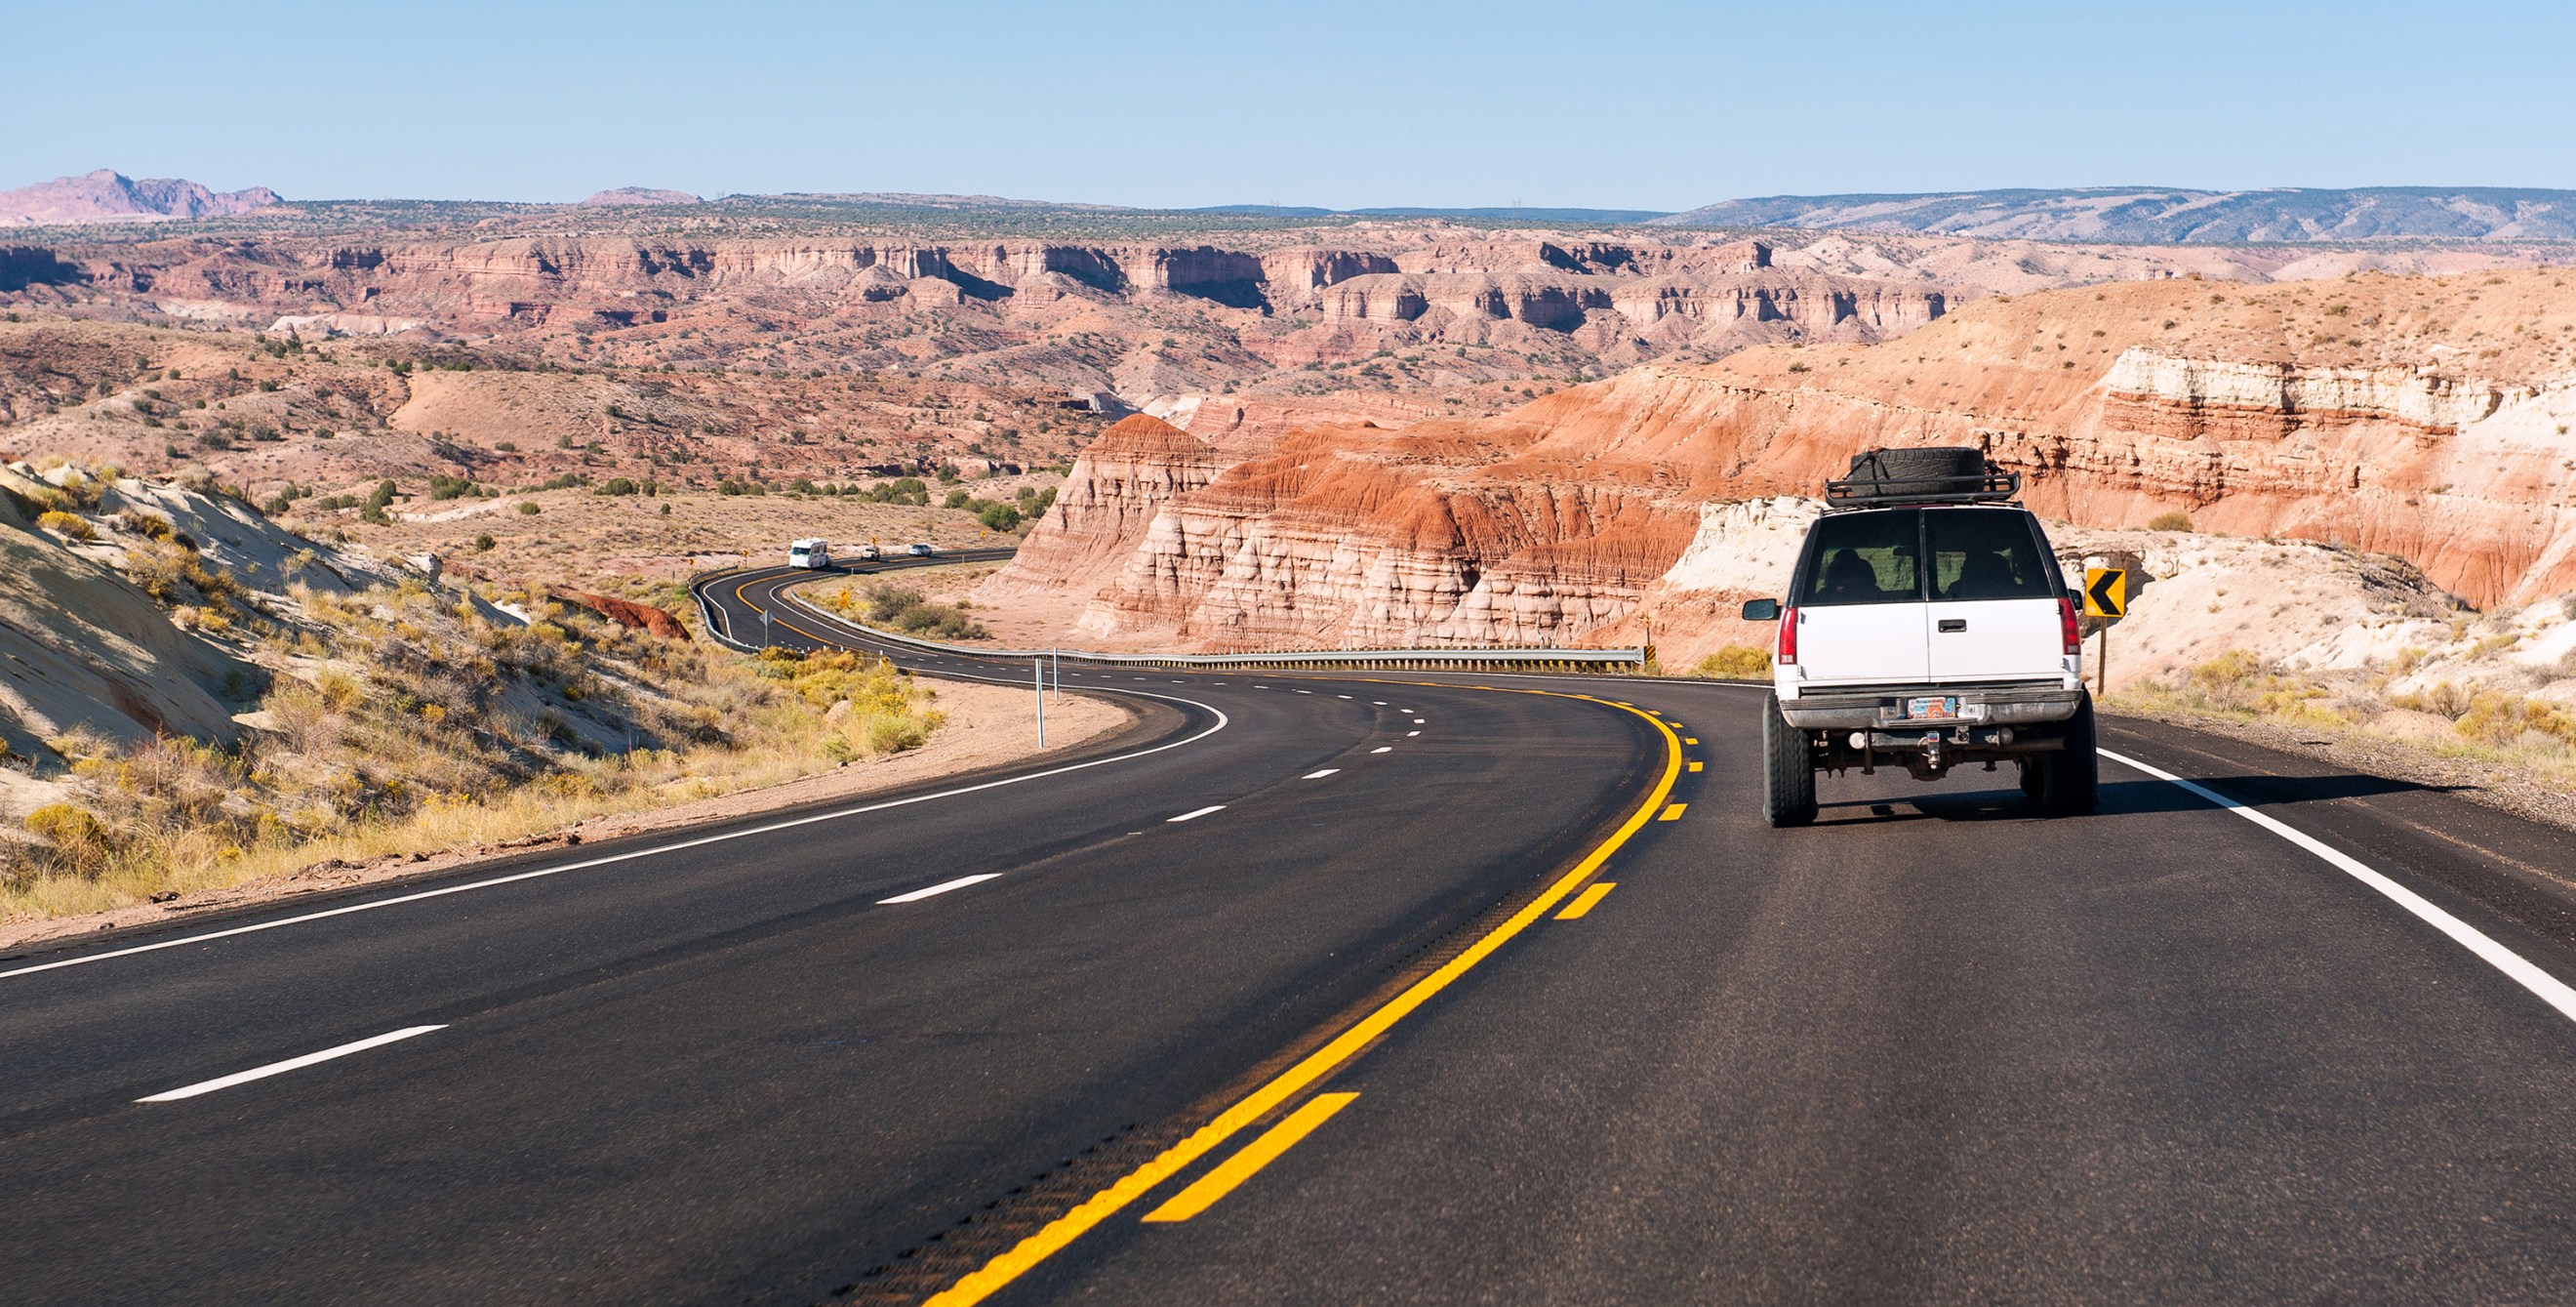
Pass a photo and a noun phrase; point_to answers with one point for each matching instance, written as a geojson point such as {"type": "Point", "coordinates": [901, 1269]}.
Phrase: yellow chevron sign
{"type": "Point", "coordinates": [2106, 592]}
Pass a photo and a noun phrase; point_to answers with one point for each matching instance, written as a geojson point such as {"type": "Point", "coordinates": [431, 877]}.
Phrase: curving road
{"type": "Point", "coordinates": [1306, 989]}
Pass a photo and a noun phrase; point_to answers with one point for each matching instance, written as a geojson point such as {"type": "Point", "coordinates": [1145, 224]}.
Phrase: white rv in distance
{"type": "Point", "coordinates": [815, 554]}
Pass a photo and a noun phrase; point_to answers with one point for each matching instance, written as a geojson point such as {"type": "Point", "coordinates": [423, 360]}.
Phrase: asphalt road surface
{"type": "Point", "coordinates": [1308, 990]}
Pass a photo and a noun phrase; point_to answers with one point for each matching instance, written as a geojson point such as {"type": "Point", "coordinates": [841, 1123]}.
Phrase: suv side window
{"type": "Point", "coordinates": [1984, 553]}
{"type": "Point", "coordinates": [1862, 558]}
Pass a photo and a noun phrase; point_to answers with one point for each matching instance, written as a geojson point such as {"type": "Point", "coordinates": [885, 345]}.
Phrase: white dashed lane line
{"type": "Point", "coordinates": [290, 1064]}
{"type": "Point", "coordinates": [1319, 775]}
{"type": "Point", "coordinates": [1383, 748]}
{"type": "Point", "coordinates": [1194, 816]}
{"type": "Point", "coordinates": [1410, 734]}
{"type": "Point", "coordinates": [942, 887]}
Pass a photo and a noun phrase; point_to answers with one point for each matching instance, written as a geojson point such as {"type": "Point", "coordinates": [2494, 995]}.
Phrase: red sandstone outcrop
{"type": "Point", "coordinates": [626, 612]}
{"type": "Point", "coordinates": [1108, 503]}
{"type": "Point", "coordinates": [1559, 521]}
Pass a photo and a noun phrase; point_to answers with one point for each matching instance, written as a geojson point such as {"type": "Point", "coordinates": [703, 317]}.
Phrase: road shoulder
{"type": "Point", "coordinates": [990, 730]}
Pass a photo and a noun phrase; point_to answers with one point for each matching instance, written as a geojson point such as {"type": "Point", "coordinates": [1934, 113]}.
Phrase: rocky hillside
{"type": "Point", "coordinates": [110, 196]}
{"type": "Point", "coordinates": [266, 413]}
{"type": "Point", "coordinates": [2421, 418]}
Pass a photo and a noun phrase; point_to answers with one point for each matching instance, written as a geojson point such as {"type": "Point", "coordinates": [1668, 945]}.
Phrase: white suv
{"type": "Point", "coordinates": [1927, 626]}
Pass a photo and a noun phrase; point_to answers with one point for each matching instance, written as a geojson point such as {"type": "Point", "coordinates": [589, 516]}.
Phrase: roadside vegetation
{"type": "Point", "coordinates": [2466, 711]}
{"type": "Point", "coordinates": [1735, 662]}
{"type": "Point", "coordinates": [901, 608]}
{"type": "Point", "coordinates": [407, 720]}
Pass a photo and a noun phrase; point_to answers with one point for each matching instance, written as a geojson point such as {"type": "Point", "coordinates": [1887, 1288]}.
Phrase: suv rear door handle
{"type": "Point", "coordinates": [1954, 624]}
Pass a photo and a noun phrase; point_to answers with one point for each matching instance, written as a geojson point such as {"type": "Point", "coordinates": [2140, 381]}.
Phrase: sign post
{"type": "Point", "coordinates": [1037, 674]}
{"type": "Point", "coordinates": [2106, 596]}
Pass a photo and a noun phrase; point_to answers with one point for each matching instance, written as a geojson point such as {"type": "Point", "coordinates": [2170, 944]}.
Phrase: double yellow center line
{"type": "Point", "coordinates": [1296, 1080]}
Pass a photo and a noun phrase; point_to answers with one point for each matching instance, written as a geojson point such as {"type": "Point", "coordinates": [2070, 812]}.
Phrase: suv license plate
{"type": "Point", "coordinates": [1942, 709]}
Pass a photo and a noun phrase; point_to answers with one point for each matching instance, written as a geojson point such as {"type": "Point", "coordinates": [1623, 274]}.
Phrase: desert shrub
{"type": "Point", "coordinates": [616, 486]}
{"type": "Point", "coordinates": [2444, 698]}
{"type": "Point", "coordinates": [67, 526]}
{"type": "Point", "coordinates": [528, 508]}
{"type": "Point", "coordinates": [894, 734]}
{"type": "Point", "coordinates": [77, 841]}
{"type": "Point", "coordinates": [2170, 522]}
{"type": "Point", "coordinates": [2239, 682]}
{"type": "Point", "coordinates": [150, 526]}
{"type": "Point", "coordinates": [904, 609]}
{"type": "Point", "coordinates": [2501, 719]}
{"type": "Point", "coordinates": [1736, 662]}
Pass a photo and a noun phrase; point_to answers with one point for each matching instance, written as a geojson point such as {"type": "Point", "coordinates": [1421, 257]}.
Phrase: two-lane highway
{"type": "Point", "coordinates": [1385, 987]}
{"type": "Point", "coordinates": [762, 1061]}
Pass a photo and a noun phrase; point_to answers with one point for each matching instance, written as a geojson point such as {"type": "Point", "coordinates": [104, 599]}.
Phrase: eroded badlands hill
{"type": "Point", "coordinates": [2424, 418]}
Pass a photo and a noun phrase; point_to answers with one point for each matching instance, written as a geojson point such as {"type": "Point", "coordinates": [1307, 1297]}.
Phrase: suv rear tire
{"type": "Point", "coordinates": [2071, 779]}
{"type": "Point", "coordinates": [1788, 769]}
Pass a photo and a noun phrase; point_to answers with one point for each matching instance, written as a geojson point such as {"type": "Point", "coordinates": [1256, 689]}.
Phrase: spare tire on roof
{"type": "Point", "coordinates": [1906, 473]}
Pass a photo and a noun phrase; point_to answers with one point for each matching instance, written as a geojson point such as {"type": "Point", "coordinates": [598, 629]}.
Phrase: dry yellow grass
{"type": "Point", "coordinates": [417, 727]}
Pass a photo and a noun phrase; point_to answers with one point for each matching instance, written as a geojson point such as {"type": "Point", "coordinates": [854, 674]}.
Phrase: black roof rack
{"type": "Point", "coordinates": [1937, 474]}
{"type": "Point", "coordinates": [1986, 487]}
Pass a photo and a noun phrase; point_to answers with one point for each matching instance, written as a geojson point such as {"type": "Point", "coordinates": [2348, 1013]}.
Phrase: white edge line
{"type": "Point", "coordinates": [290, 1064]}
{"type": "Point", "coordinates": [1222, 721]}
{"type": "Point", "coordinates": [2549, 989]}
{"type": "Point", "coordinates": [943, 887]}
{"type": "Point", "coordinates": [1194, 816]}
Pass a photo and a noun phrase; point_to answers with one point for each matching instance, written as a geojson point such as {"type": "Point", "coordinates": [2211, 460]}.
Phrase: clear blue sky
{"type": "Point", "coordinates": [1575, 103]}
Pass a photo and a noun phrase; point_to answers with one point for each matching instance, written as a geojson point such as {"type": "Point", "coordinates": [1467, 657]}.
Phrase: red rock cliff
{"type": "Point", "coordinates": [2371, 413]}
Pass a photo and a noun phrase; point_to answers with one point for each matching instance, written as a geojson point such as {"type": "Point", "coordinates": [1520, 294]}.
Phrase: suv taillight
{"type": "Point", "coordinates": [2069, 627]}
{"type": "Point", "coordinates": [1787, 653]}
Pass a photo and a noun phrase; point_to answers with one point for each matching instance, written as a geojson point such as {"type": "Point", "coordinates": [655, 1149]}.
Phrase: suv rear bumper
{"type": "Point", "coordinates": [1862, 707]}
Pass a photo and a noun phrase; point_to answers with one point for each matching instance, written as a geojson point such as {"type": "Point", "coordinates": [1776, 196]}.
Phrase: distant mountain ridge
{"type": "Point", "coordinates": [2170, 216]}
{"type": "Point", "coordinates": [110, 196]}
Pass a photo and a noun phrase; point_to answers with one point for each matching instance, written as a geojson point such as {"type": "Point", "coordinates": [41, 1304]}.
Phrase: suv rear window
{"type": "Point", "coordinates": [1875, 557]}
{"type": "Point", "coordinates": [1862, 558]}
{"type": "Point", "coordinates": [1984, 553]}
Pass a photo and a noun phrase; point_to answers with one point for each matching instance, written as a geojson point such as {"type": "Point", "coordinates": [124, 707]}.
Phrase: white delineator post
{"type": "Point", "coordinates": [1037, 673]}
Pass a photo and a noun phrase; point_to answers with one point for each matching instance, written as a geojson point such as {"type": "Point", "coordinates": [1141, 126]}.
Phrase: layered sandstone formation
{"type": "Point", "coordinates": [2371, 415]}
